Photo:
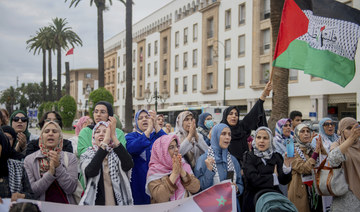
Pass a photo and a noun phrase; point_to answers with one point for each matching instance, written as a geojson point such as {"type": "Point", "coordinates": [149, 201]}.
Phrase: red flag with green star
{"type": "Point", "coordinates": [217, 198]}
{"type": "Point", "coordinates": [319, 37]}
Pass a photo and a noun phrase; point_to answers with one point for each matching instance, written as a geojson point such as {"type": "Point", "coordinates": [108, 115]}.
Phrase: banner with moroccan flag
{"type": "Point", "coordinates": [71, 51]}
{"type": "Point", "coordinates": [218, 198]}
{"type": "Point", "coordinates": [319, 37]}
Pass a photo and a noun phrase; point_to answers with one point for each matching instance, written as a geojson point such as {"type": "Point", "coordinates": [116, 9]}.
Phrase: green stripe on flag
{"type": "Point", "coordinates": [320, 63]}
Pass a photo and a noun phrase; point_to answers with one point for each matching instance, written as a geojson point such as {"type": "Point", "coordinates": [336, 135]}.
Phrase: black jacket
{"type": "Point", "coordinates": [33, 146]}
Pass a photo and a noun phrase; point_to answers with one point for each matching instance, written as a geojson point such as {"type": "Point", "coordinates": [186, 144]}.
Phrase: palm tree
{"type": "Point", "coordinates": [128, 97]}
{"type": "Point", "coordinates": [280, 100]}
{"type": "Point", "coordinates": [100, 4]}
{"type": "Point", "coordinates": [35, 44]}
{"type": "Point", "coordinates": [62, 37]}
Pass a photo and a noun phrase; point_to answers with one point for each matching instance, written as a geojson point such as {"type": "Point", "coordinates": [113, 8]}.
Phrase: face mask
{"type": "Point", "coordinates": [209, 124]}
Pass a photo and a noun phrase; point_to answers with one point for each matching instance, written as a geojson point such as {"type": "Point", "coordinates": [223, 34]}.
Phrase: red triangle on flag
{"type": "Point", "coordinates": [71, 51]}
{"type": "Point", "coordinates": [216, 199]}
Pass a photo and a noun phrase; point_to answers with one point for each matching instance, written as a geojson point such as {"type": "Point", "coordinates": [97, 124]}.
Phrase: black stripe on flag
{"type": "Point", "coordinates": [331, 9]}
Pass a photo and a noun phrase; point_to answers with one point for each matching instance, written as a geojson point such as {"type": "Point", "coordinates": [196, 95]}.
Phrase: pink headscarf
{"type": "Point", "coordinates": [80, 123]}
{"type": "Point", "coordinates": [161, 164]}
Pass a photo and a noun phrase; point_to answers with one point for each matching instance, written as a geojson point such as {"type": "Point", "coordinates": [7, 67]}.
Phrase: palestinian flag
{"type": "Point", "coordinates": [319, 37]}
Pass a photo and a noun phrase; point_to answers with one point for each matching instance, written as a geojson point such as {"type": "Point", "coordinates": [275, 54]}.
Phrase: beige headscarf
{"type": "Point", "coordinates": [352, 164]}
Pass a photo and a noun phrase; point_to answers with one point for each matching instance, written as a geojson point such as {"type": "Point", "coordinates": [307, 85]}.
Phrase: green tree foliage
{"type": "Point", "coordinates": [67, 106]}
{"type": "Point", "coordinates": [46, 107]}
{"type": "Point", "coordinates": [98, 95]}
{"type": "Point", "coordinates": [10, 97]}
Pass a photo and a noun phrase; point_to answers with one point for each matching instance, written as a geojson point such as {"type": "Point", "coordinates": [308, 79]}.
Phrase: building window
{"type": "Point", "coordinates": [156, 47]}
{"type": "Point", "coordinates": [124, 59]}
{"type": "Point", "coordinates": [195, 32]}
{"type": "Point", "coordinates": [242, 13]}
{"type": "Point", "coordinates": [195, 57]}
{"type": "Point", "coordinates": [141, 54]}
{"type": "Point", "coordinates": [176, 85]}
{"type": "Point", "coordinates": [118, 61]}
{"type": "Point", "coordinates": [265, 48]}
{"type": "Point", "coordinates": [241, 45]}
{"type": "Point", "coordinates": [165, 43]}
{"type": "Point", "coordinates": [123, 79]}
{"type": "Point", "coordinates": [265, 73]}
{"type": "Point", "coordinates": [133, 73]}
{"type": "Point", "coordinates": [140, 73]}
{"type": "Point", "coordinates": [149, 49]}
{"type": "Point", "coordinates": [140, 90]}
{"type": "Point", "coordinates": [164, 85]}
{"type": "Point", "coordinates": [185, 83]}
{"type": "Point", "coordinates": [134, 55]}
{"type": "Point", "coordinates": [185, 36]}
{"type": "Point", "coordinates": [210, 27]}
{"type": "Point", "coordinates": [148, 85]}
{"type": "Point", "coordinates": [133, 91]}
{"type": "Point", "coordinates": [176, 62]}
{"type": "Point", "coordinates": [149, 69]}
{"type": "Point", "coordinates": [165, 67]}
{"type": "Point", "coordinates": [210, 56]}
{"type": "Point", "coordinates": [194, 83]}
{"type": "Point", "coordinates": [185, 60]}
{"type": "Point", "coordinates": [228, 19]}
{"type": "Point", "coordinates": [155, 68]}
{"type": "Point", "coordinates": [293, 75]}
{"type": "Point", "coordinates": [88, 75]}
{"type": "Point", "coordinates": [118, 78]}
{"type": "Point", "coordinates": [227, 78]}
{"type": "Point", "coordinates": [155, 86]}
{"type": "Point", "coordinates": [241, 76]}
{"type": "Point", "coordinates": [118, 93]}
{"type": "Point", "coordinates": [177, 39]}
{"type": "Point", "coordinates": [123, 93]}
{"type": "Point", "coordinates": [228, 49]}
{"type": "Point", "coordinates": [265, 14]}
{"type": "Point", "coordinates": [210, 81]}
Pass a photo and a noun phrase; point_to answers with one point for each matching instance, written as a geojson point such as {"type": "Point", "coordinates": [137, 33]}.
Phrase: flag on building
{"type": "Point", "coordinates": [71, 51]}
{"type": "Point", "coordinates": [319, 37]}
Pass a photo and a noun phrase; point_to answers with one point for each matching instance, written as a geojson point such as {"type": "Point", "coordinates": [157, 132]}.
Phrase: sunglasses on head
{"type": "Point", "coordinates": [23, 119]}
{"type": "Point", "coordinates": [327, 124]}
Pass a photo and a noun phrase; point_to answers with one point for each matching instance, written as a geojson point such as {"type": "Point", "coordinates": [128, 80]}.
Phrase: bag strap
{"type": "Point", "coordinates": [328, 182]}
{"type": "Point", "coordinates": [317, 175]}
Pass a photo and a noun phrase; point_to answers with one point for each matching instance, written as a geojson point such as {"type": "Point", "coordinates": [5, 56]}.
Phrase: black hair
{"type": "Point", "coordinates": [295, 113]}
{"type": "Point", "coordinates": [57, 115]}
{"type": "Point", "coordinates": [24, 207]}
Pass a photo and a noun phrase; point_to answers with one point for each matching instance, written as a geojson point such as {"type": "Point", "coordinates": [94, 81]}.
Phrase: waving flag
{"type": "Point", "coordinates": [71, 51]}
{"type": "Point", "coordinates": [319, 37]}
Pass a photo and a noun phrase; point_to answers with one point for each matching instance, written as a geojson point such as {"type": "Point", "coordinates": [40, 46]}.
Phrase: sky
{"type": "Point", "coordinates": [20, 19]}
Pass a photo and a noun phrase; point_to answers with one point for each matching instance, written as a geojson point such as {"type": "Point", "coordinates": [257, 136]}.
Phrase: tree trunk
{"type": "Point", "coordinates": [58, 86]}
{"type": "Point", "coordinates": [67, 81]}
{"type": "Point", "coordinates": [280, 100]}
{"type": "Point", "coordinates": [44, 75]}
{"type": "Point", "coordinates": [129, 82]}
{"type": "Point", "coordinates": [50, 77]}
{"type": "Point", "coordinates": [100, 8]}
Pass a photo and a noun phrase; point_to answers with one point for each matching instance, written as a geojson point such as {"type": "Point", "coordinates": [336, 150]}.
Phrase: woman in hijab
{"type": "Point", "coordinates": [326, 133]}
{"type": "Point", "coordinates": [102, 111]}
{"type": "Point", "coordinates": [300, 191]}
{"type": "Point", "coordinates": [52, 172]}
{"type": "Point", "coordinates": [346, 152]}
{"type": "Point", "coordinates": [192, 144]}
{"type": "Point", "coordinates": [83, 122]}
{"type": "Point", "coordinates": [14, 182]}
{"type": "Point", "coordinates": [241, 129]}
{"type": "Point", "coordinates": [20, 122]}
{"type": "Point", "coordinates": [282, 135]}
{"type": "Point", "coordinates": [169, 177]}
{"type": "Point", "coordinates": [205, 124]}
{"type": "Point", "coordinates": [139, 144]}
{"type": "Point", "coordinates": [263, 168]}
{"type": "Point", "coordinates": [106, 166]}
{"type": "Point", "coordinates": [217, 164]}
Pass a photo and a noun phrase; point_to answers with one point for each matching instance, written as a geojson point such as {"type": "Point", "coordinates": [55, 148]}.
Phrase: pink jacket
{"type": "Point", "coordinates": [66, 177]}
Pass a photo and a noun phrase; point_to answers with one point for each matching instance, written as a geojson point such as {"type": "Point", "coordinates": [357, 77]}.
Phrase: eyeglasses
{"type": "Point", "coordinates": [23, 119]}
{"type": "Point", "coordinates": [48, 120]}
{"type": "Point", "coordinates": [327, 124]}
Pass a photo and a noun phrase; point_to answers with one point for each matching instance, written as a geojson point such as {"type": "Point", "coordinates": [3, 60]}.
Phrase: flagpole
{"type": "Point", "coordinates": [271, 74]}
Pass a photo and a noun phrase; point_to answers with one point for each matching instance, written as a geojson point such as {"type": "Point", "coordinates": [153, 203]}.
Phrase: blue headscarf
{"type": "Point", "coordinates": [201, 120]}
{"type": "Point", "coordinates": [137, 117]}
{"type": "Point", "coordinates": [334, 137]}
{"type": "Point", "coordinates": [219, 153]}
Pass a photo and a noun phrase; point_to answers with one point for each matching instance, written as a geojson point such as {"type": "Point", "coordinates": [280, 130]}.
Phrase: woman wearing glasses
{"type": "Point", "coordinates": [20, 122]}
{"type": "Point", "coordinates": [326, 133]}
{"type": "Point", "coordinates": [54, 116]}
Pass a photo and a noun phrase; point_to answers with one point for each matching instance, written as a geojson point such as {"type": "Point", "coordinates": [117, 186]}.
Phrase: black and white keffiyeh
{"type": "Point", "coordinates": [230, 166]}
{"type": "Point", "coordinates": [15, 175]}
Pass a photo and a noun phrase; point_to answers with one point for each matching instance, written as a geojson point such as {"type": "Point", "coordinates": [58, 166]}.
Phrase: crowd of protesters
{"type": "Point", "coordinates": [101, 165]}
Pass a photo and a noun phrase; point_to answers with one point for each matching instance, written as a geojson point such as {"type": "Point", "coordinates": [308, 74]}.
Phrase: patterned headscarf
{"type": "Point", "coordinates": [137, 118]}
{"type": "Point", "coordinates": [80, 123]}
{"type": "Point", "coordinates": [279, 128]}
{"type": "Point", "coordinates": [180, 131]}
{"type": "Point", "coordinates": [267, 154]}
{"type": "Point", "coordinates": [298, 142]}
{"type": "Point", "coordinates": [161, 165]}
{"type": "Point", "coordinates": [45, 162]}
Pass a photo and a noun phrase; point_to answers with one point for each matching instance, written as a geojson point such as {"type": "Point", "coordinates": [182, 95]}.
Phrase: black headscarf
{"type": "Point", "coordinates": [5, 154]}
{"type": "Point", "coordinates": [109, 110]}
{"type": "Point", "coordinates": [236, 131]}
{"type": "Point", "coordinates": [11, 131]}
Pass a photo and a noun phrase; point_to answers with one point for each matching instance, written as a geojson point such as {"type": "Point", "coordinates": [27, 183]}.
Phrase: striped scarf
{"type": "Point", "coordinates": [15, 175]}
{"type": "Point", "coordinates": [230, 166]}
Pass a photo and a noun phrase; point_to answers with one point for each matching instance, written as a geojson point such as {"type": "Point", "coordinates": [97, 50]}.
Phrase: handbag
{"type": "Point", "coordinates": [79, 188]}
{"type": "Point", "coordinates": [330, 181]}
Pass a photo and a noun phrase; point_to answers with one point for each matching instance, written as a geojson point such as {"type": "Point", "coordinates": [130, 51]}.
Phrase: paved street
{"type": "Point", "coordinates": [37, 131]}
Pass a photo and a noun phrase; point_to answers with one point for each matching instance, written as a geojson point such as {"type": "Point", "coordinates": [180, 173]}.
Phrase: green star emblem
{"type": "Point", "coordinates": [221, 201]}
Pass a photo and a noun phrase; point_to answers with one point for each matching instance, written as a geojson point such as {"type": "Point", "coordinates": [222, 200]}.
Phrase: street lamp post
{"type": "Point", "coordinates": [219, 42]}
{"type": "Point", "coordinates": [156, 97]}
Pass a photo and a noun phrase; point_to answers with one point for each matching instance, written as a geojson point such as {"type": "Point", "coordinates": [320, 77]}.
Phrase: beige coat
{"type": "Point", "coordinates": [162, 189]}
{"type": "Point", "coordinates": [297, 193]}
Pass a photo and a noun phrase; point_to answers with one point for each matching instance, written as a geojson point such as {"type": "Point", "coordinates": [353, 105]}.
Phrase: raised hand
{"type": "Point", "coordinates": [355, 132]}
{"type": "Point", "coordinates": [107, 135]}
{"type": "Point", "coordinates": [266, 91]}
{"type": "Point", "coordinates": [209, 163]}
{"type": "Point", "coordinates": [318, 145]}
{"type": "Point", "coordinates": [287, 160]}
{"type": "Point", "coordinates": [177, 167]}
{"type": "Point", "coordinates": [55, 158]}
{"type": "Point", "coordinates": [21, 138]}
{"type": "Point", "coordinates": [16, 196]}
